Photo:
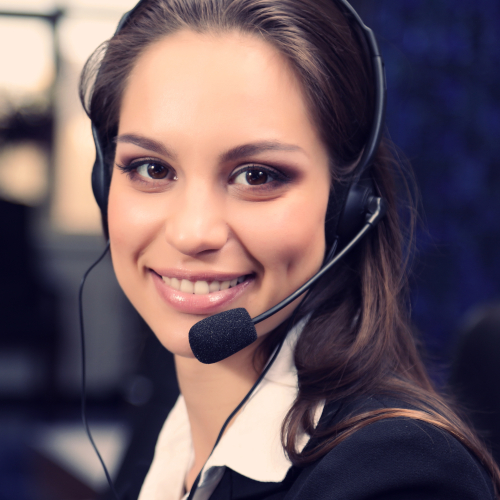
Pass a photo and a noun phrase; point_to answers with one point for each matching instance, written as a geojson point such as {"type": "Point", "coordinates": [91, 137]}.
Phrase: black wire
{"type": "Point", "coordinates": [84, 373]}
{"type": "Point", "coordinates": [378, 212]}
{"type": "Point", "coordinates": [379, 209]}
{"type": "Point", "coordinates": [84, 378]}
{"type": "Point", "coordinates": [245, 399]}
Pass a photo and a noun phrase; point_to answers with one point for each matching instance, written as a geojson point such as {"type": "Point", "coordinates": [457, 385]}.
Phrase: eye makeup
{"type": "Point", "coordinates": [258, 175]}
{"type": "Point", "coordinates": [147, 170]}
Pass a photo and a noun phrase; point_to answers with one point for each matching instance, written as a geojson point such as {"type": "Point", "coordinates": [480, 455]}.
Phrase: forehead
{"type": "Point", "coordinates": [188, 82]}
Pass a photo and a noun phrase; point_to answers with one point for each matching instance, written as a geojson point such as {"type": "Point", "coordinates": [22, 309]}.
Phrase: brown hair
{"type": "Point", "coordinates": [358, 339]}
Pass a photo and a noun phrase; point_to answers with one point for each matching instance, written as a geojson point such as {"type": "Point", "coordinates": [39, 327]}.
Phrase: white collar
{"type": "Point", "coordinates": [251, 446]}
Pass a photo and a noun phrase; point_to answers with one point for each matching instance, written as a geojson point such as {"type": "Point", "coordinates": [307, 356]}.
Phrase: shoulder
{"type": "Point", "coordinates": [394, 458]}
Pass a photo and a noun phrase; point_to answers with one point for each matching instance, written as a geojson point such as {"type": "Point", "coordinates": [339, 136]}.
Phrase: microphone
{"type": "Point", "coordinates": [219, 336]}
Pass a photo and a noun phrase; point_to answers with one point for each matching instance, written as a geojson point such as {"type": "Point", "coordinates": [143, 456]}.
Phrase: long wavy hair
{"type": "Point", "coordinates": [358, 338]}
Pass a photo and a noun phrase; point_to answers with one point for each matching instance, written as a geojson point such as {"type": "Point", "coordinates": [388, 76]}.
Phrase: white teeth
{"type": "Point", "coordinates": [201, 288]}
{"type": "Point", "coordinates": [187, 286]}
{"type": "Point", "coordinates": [175, 284]}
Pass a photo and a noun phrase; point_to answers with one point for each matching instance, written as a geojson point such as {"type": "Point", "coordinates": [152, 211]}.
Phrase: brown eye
{"type": "Point", "coordinates": [153, 170]}
{"type": "Point", "coordinates": [156, 171]}
{"type": "Point", "coordinates": [256, 177]}
{"type": "Point", "coordinates": [253, 177]}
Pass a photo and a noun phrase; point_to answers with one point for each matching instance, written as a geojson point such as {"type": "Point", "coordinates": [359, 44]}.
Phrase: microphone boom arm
{"type": "Point", "coordinates": [377, 209]}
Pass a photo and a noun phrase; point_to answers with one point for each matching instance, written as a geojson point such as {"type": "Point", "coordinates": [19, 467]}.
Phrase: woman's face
{"type": "Point", "coordinates": [220, 185]}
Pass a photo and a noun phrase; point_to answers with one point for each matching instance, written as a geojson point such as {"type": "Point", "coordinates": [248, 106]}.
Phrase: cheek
{"type": "Point", "coordinates": [290, 240]}
{"type": "Point", "coordinates": [132, 222]}
{"type": "Point", "coordinates": [289, 247]}
{"type": "Point", "coordinates": [131, 230]}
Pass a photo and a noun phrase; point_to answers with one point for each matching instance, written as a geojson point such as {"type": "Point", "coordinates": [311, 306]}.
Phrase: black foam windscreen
{"type": "Point", "coordinates": [219, 336]}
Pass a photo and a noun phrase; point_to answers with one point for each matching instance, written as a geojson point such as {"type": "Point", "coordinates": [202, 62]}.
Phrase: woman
{"type": "Point", "coordinates": [231, 129]}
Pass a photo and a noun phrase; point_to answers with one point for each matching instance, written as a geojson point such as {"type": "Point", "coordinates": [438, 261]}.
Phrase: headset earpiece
{"type": "Point", "coordinates": [348, 209]}
{"type": "Point", "coordinates": [101, 175]}
{"type": "Point", "coordinates": [356, 209]}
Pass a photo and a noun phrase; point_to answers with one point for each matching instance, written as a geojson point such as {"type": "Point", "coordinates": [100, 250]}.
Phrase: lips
{"type": "Point", "coordinates": [200, 294]}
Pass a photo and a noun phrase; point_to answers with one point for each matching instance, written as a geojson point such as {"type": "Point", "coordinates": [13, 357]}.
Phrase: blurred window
{"type": "Point", "coordinates": [46, 147]}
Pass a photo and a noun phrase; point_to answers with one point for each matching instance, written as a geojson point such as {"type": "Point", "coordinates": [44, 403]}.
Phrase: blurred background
{"type": "Point", "coordinates": [443, 68]}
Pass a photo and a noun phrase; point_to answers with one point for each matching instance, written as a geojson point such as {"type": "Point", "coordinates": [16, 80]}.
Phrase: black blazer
{"type": "Point", "coordinates": [393, 459]}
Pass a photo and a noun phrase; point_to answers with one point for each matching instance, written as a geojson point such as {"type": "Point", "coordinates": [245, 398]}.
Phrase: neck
{"type": "Point", "coordinates": [211, 393]}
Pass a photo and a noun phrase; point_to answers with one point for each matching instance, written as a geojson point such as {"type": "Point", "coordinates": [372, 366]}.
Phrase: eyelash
{"type": "Point", "coordinates": [276, 175]}
{"type": "Point", "coordinates": [131, 170]}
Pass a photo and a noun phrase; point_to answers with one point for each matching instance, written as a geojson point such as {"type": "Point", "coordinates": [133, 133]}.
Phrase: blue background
{"type": "Point", "coordinates": [443, 69]}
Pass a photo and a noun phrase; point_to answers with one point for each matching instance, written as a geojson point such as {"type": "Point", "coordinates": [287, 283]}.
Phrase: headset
{"type": "Point", "coordinates": [347, 207]}
{"type": "Point", "coordinates": [353, 209]}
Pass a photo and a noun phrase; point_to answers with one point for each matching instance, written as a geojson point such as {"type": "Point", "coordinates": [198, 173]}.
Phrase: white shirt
{"type": "Point", "coordinates": [251, 446]}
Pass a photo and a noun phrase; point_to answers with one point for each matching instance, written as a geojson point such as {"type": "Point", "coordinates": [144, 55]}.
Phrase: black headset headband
{"type": "Point", "coordinates": [346, 207]}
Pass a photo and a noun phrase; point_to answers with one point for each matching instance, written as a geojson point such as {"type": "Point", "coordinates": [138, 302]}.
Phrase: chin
{"type": "Point", "coordinates": [175, 341]}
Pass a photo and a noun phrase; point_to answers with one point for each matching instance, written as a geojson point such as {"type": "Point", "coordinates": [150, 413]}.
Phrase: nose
{"type": "Point", "coordinates": [196, 223]}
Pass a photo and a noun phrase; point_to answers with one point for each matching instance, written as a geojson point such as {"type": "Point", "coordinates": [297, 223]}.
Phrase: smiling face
{"type": "Point", "coordinates": [220, 185]}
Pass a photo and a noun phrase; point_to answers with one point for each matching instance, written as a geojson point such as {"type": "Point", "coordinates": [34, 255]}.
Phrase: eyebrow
{"type": "Point", "coordinates": [232, 154]}
{"type": "Point", "coordinates": [245, 150]}
{"type": "Point", "coordinates": [145, 143]}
